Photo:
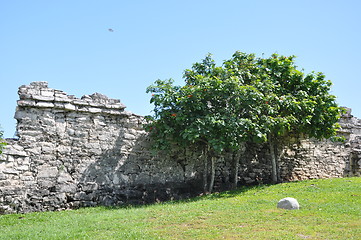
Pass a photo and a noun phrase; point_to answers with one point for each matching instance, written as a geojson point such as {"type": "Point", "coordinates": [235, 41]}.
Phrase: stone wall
{"type": "Point", "coordinates": [74, 152]}
{"type": "Point", "coordinates": [309, 159]}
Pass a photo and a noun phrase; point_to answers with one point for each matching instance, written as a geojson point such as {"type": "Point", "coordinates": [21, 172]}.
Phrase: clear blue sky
{"type": "Point", "coordinates": [67, 43]}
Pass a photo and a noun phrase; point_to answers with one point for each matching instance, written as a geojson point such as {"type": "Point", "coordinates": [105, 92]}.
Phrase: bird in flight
{"type": "Point", "coordinates": [110, 30]}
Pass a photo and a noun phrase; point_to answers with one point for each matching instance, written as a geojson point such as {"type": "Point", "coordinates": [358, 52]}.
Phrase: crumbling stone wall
{"type": "Point", "coordinates": [74, 152]}
{"type": "Point", "coordinates": [303, 158]}
{"type": "Point", "coordinates": [82, 152]}
{"type": "Point", "coordinates": [310, 158]}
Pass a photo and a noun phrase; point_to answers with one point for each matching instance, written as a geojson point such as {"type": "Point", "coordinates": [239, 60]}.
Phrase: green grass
{"type": "Point", "coordinates": [330, 209]}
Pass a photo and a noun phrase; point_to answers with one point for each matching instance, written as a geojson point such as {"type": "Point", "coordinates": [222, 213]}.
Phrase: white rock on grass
{"type": "Point", "coordinates": [288, 203]}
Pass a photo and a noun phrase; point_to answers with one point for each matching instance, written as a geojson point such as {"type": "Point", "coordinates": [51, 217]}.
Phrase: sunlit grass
{"type": "Point", "coordinates": [330, 209]}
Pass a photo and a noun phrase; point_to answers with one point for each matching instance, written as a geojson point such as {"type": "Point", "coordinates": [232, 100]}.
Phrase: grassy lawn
{"type": "Point", "coordinates": [330, 209]}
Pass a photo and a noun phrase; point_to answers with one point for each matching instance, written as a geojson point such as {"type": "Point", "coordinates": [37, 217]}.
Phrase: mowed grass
{"type": "Point", "coordinates": [330, 209]}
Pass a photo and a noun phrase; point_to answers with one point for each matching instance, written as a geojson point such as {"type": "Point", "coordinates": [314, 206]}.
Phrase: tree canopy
{"type": "Point", "coordinates": [213, 108]}
{"type": "Point", "coordinates": [296, 103]}
{"type": "Point", "coordinates": [246, 99]}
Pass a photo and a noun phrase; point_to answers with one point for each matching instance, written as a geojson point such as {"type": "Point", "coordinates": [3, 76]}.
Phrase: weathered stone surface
{"type": "Point", "coordinates": [75, 152]}
{"type": "Point", "coordinates": [15, 150]}
{"type": "Point", "coordinates": [288, 203]}
{"type": "Point", "coordinates": [47, 172]}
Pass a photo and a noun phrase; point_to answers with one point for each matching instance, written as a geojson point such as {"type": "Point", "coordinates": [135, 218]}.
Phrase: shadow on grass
{"type": "Point", "coordinates": [201, 197]}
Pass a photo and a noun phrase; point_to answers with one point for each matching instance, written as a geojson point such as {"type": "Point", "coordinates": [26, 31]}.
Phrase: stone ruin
{"type": "Point", "coordinates": [73, 152]}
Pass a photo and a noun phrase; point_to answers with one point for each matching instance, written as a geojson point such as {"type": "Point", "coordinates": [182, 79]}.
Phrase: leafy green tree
{"type": "Point", "coordinates": [216, 109]}
{"type": "Point", "coordinates": [296, 103]}
{"type": "Point", "coordinates": [247, 99]}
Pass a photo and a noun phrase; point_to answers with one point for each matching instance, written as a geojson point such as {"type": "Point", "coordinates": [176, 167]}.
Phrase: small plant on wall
{"type": "Point", "coordinates": [2, 141]}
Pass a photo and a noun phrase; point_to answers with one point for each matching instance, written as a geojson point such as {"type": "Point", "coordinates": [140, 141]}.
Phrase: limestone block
{"type": "Point", "coordinates": [120, 178]}
{"type": "Point", "coordinates": [82, 108]}
{"type": "Point", "coordinates": [47, 148]}
{"type": "Point", "coordinates": [83, 196]}
{"type": "Point", "coordinates": [96, 104]}
{"type": "Point", "coordinates": [59, 93]}
{"type": "Point", "coordinates": [10, 171]}
{"type": "Point", "coordinates": [63, 149]}
{"type": "Point", "coordinates": [95, 151]}
{"type": "Point", "coordinates": [80, 133]}
{"type": "Point", "coordinates": [115, 106]}
{"type": "Point", "coordinates": [34, 151]}
{"type": "Point", "coordinates": [134, 132]}
{"type": "Point", "coordinates": [61, 197]}
{"type": "Point", "coordinates": [44, 186]}
{"type": "Point", "coordinates": [89, 186]}
{"type": "Point", "coordinates": [10, 158]}
{"type": "Point", "coordinates": [27, 178]}
{"type": "Point", "coordinates": [80, 102]}
{"type": "Point", "coordinates": [59, 105]}
{"type": "Point", "coordinates": [60, 126]}
{"type": "Point", "coordinates": [67, 188]}
{"type": "Point", "coordinates": [15, 150]}
{"type": "Point", "coordinates": [288, 203]}
{"type": "Point", "coordinates": [111, 112]}
{"type": "Point", "coordinates": [62, 97]}
{"type": "Point", "coordinates": [64, 177]}
{"type": "Point", "coordinates": [107, 200]}
{"type": "Point", "coordinates": [4, 183]}
{"type": "Point", "coordinates": [48, 121]}
{"type": "Point", "coordinates": [144, 178]}
{"type": "Point", "coordinates": [3, 157]}
{"type": "Point", "coordinates": [71, 131]}
{"type": "Point", "coordinates": [29, 184]}
{"type": "Point", "coordinates": [129, 136]}
{"type": "Point", "coordinates": [69, 106]}
{"type": "Point", "coordinates": [83, 119]}
{"type": "Point", "coordinates": [32, 133]}
{"type": "Point", "coordinates": [19, 115]}
{"type": "Point", "coordinates": [116, 180]}
{"type": "Point", "coordinates": [2, 176]}
{"type": "Point", "coordinates": [23, 90]}
{"type": "Point", "coordinates": [94, 110]}
{"type": "Point", "coordinates": [127, 114]}
{"type": "Point", "coordinates": [28, 92]}
{"type": "Point", "coordinates": [43, 98]}
{"type": "Point", "coordinates": [23, 168]}
{"type": "Point", "coordinates": [47, 172]}
{"type": "Point", "coordinates": [99, 122]}
{"type": "Point", "coordinates": [47, 92]}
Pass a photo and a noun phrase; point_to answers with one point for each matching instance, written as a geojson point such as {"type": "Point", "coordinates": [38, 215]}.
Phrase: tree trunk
{"type": "Point", "coordinates": [213, 173]}
{"type": "Point", "coordinates": [205, 170]}
{"type": "Point", "coordinates": [236, 157]}
{"type": "Point", "coordinates": [278, 157]}
{"type": "Point", "coordinates": [273, 160]}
